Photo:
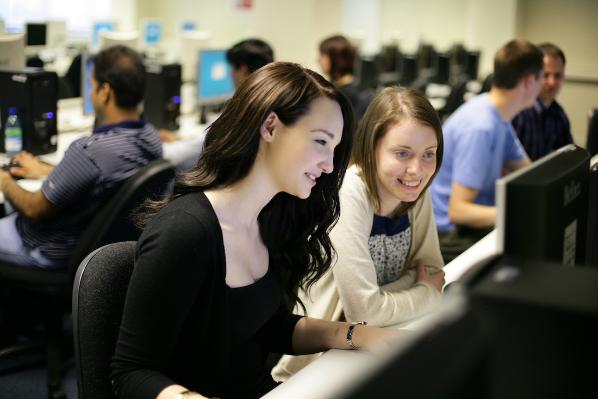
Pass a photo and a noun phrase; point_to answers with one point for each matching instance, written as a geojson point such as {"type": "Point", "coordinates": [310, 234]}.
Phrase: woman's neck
{"type": "Point", "coordinates": [240, 203]}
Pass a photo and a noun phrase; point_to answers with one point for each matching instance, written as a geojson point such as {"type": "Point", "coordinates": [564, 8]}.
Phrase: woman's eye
{"type": "Point", "coordinates": [403, 154]}
{"type": "Point", "coordinates": [321, 142]}
{"type": "Point", "coordinates": [429, 155]}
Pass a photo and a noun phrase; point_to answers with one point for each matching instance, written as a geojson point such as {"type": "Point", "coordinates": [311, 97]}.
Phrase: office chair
{"type": "Point", "coordinates": [99, 293]}
{"type": "Point", "coordinates": [51, 289]}
{"type": "Point", "coordinates": [592, 140]}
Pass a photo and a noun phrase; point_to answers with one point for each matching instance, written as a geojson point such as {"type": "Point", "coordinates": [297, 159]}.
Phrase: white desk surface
{"type": "Point", "coordinates": [336, 370]}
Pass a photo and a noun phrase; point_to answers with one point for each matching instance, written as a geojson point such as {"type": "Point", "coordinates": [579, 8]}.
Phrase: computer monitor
{"type": "Point", "coordinates": [97, 28]}
{"type": "Point", "coordinates": [128, 39]}
{"type": "Point", "coordinates": [56, 34]}
{"type": "Point", "coordinates": [151, 32]}
{"type": "Point", "coordinates": [472, 64]}
{"type": "Point", "coordinates": [12, 51]}
{"type": "Point", "coordinates": [542, 208]}
{"type": "Point", "coordinates": [592, 241]}
{"type": "Point", "coordinates": [367, 73]}
{"type": "Point", "coordinates": [187, 26]}
{"type": "Point", "coordinates": [86, 68]}
{"type": "Point", "coordinates": [442, 69]}
{"type": "Point", "coordinates": [191, 43]}
{"type": "Point", "coordinates": [592, 139]}
{"type": "Point", "coordinates": [450, 357]}
{"type": "Point", "coordinates": [36, 33]}
{"type": "Point", "coordinates": [214, 78]}
{"type": "Point", "coordinates": [409, 70]}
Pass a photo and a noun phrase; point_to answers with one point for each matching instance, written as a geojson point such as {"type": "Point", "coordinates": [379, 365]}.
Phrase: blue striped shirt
{"type": "Point", "coordinates": [542, 130]}
{"type": "Point", "coordinates": [92, 169]}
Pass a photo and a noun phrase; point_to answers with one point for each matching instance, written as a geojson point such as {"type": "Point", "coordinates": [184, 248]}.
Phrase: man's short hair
{"type": "Point", "coordinates": [122, 68]}
{"type": "Point", "coordinates": [253, 53]}
{"type": "Point", "coordinates": [515, 60]}
{"type": "Point", "coordinates": [552, 50]}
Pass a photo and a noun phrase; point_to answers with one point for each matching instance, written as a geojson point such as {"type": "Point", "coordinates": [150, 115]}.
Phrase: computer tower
{"type": "Point", "coordinates": [34, 92]}
{"type": "Point", "coordinates": [546, 324]}
{"type": "Point", "coordinates": [162, 102]}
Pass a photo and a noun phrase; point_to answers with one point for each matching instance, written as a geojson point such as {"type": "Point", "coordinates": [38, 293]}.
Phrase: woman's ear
{"type": "Point", "coordinates": [268, 126]}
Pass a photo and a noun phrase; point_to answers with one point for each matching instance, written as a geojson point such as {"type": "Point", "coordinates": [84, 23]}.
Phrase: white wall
{"type": "Point", "coordinates": [573, 26]}
{"type": "Point", "coordinates": [439, 22]}
{"type": "Point", "coordinates": [293, 28]}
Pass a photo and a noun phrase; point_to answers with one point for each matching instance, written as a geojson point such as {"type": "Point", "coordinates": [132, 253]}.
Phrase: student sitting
{"type": "Point", "coordinates": [388, 267]}
{"type": "Point", "coordinates": [47, 223]}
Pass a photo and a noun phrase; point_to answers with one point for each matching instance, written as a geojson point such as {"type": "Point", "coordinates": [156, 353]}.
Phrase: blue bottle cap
{"type": "Point", "coordinates": [12, 111]}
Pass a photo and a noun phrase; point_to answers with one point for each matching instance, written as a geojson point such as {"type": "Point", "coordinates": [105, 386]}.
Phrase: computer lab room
{"type": "Point", "coordinates": [324, 199]}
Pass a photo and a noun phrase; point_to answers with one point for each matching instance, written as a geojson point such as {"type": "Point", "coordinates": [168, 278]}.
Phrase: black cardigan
{"type": "Point", "coordinates": [175, 328]}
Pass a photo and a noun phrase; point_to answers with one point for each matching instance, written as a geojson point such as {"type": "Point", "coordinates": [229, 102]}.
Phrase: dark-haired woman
{"type": "Point", "coordinates": [337, 61]}
{"type": "Point", "coordinates": [218, 267]}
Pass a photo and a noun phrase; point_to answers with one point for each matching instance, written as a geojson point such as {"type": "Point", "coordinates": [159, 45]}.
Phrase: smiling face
{"type": "Point", "coordinates": [405, 162]}
{"type": "Point", "coordinates": [552, 78]}
{"type": "Point", "coordinates": [298, 154]}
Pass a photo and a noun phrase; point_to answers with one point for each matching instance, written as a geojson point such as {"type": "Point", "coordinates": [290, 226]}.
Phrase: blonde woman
{"type": "Point", "coordinates": [389, 267]}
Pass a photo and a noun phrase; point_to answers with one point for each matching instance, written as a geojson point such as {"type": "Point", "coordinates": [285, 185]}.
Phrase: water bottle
{"type": "Point", "coordinates": [13, 134]}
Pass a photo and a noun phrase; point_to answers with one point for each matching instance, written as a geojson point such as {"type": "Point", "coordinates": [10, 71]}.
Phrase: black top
{"type": "Point", "coordinates": [542, 130]}
{"type": "Point", "coordinates": [250, 307]}
{"type": "Point", "coordinates": [359, 99]}
{"type": "Point", "coordinates": [178, 324]}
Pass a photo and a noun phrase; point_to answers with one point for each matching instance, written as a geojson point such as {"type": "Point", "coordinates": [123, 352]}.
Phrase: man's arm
{"type": "Point", "coordinates": [511, 166]}
{"type": "Point", "coordinates": [33, 205]}
{"type": "Point", "coordinates": [463, 211]}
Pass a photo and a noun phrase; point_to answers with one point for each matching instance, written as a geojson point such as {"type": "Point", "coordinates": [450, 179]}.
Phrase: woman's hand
{"type": "Point", "coordinates": [375, 338]}
{"type": "Point", "coordinates": [436, 279]}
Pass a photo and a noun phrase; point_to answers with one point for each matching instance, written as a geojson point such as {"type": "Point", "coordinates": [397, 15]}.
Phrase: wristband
{"type": "Point", "coordinates": [350, 333]}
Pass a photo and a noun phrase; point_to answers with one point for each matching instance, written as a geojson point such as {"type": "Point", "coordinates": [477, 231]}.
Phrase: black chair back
{"type": "Point", "coordinates": [99, 293]}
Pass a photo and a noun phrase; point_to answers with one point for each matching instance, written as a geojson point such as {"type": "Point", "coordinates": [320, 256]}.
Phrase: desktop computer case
{"type": "Point", "coordinates": [34, 92]}
{"type": "Point", "coordinates": [162, 103]}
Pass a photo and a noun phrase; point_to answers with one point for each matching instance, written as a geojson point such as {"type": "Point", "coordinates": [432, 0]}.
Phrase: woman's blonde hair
{"type": "Point", "coordinates": [390, 107]}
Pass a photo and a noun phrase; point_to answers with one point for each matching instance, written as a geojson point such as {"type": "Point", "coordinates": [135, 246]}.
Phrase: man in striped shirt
{"type": "Point", "coordinates": [47, 223]}
{"type": "Point", "coordinates": [545, 127]}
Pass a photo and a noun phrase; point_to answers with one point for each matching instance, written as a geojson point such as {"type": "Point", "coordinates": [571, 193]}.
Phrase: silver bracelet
{"type": "Point", "coordinates": [350, 333]}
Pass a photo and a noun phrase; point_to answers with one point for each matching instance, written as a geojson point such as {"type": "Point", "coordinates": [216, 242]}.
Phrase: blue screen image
{"type": "Point", "coordinates": [87, 106]}
{"type": "Point", "coordinates": [214, 76]}
{"type": "Point", "coordinates": [99, 27]}
{"type": "Point", "coordinates": [152, 32]}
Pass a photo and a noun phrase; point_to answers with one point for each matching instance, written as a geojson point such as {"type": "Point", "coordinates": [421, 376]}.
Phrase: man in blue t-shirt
{"type": "Point", "coordinates": [47, 223]}
{"type": "Point", "coordinates": [480, 146]}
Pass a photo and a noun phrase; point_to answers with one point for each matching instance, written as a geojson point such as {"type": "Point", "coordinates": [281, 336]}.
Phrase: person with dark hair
{"type": "Point", "coordinates": [337, 60]}
{"type": "Point", "coordinates": [389, 267]}
{"type": "Point", "coordinates": [545, 127]}
{"type": "Point", "coordinates": [244, 57]}
{"type": "Point", "coordinates": [248, 56]}
{"type": "Point", "coordinates": [481, 145]}
{"type": "Point", "coordinates": [219, 265]}
{"type": "Point", "coordinates": [47, 223]}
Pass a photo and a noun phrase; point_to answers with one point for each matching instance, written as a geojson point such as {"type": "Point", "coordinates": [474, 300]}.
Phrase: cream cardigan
{"type": "Point", "coordinates": [350, 289]}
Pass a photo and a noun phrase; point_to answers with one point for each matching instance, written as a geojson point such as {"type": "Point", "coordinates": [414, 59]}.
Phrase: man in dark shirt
{"type": "Point", "coordinates": [545, 127]}
{"type": "Point", "coordinates": [47, 223]}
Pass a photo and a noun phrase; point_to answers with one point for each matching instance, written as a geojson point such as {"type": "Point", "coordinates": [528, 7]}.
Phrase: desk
{"type": "Point", "coordinates": [337, 370]}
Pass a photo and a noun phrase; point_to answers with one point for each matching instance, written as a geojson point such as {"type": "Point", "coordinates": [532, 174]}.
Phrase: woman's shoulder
{"type": "Point", "coordinates": [353, 183]}
{"type": "Point", "coordinates": [190, 212]}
